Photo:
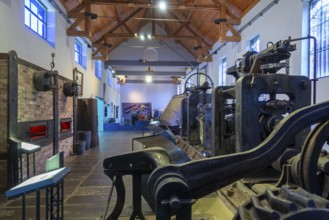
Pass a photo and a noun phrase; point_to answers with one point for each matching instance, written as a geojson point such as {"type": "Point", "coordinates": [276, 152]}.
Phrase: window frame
{"type": "Point", "coordinates": [254, 43]}
{"type": "Point", "coordinates": [43, 20]}
{"type": "Point", "coordinates": [322, 52]}
{"type": "Point", "coordinates": [223, 69]}
{"type": "Point", "coordinates": [78, 52]}
{"type": "Point", "coordinates": [98, 69]}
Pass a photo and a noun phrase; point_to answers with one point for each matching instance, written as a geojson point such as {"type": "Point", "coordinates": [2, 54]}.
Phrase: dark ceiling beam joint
{"type": "Point", "coordinates": [153, 82]}
{"type": "Point", "coordinates": [150, 63]}
{"type": "Point", "coordinates": [185, 6]}
{"type": "Point", "coordinates": [153, 73]}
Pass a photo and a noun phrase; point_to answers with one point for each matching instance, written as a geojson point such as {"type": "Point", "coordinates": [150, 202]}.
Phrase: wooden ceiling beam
{"type": "Point", "coordinates": [101, 50]}
{"type": "Point", "coordinates": [154, 73]}
{"type": "Point", "coordinates": [233, 11]}
{"type": "Point", "coordinates": [150, 63]}
{"type": "Point", "coordinates": [183, 6]}
{"type": "Point", "coordinates": [190, 50]}
{"type": "Point", "coordinates": [169, 36]}
{"type": "Point", "coordinates": [225, 27]}
{"type": "Point", "coordinates": [110, 28]}
{"type": "Point", "coordinates": [128, 29]}
{"type": "Point", "coordinates": [190, 29]}
{"type": "Point", "coordinates": [77, 8]}
{"type": "Point", "coordinates": [182, 26]}
{"type": "Point", "coordinates": [153, 23]}
{"type": "Point", "coordinates": [124, 25]}
{"type": "Point", "coordinates": [142, 23]}
{"type": "Point", "coordinates": [80, 17]}
{"type": "Point", "coordinates": [71, 4]}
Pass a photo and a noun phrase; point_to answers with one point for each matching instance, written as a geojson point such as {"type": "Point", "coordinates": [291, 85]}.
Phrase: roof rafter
{"type": "Point", "coordinates": [224, 27]}
{"type": "Point", "coordinates": [101, 50]}
{"type": "Point", "coordinates": [112, 27]}
{"type": "Point", "coordinates": [191, 29]}
{"type": "Point", "coordinates": [80, 17]}
{"type": "Point", "coordinates": [233, 11]}
{"type": "Point", "coordinates": [183, 6]}
{"type": "Point", "coordinates": [168, 36]}
{"type": "Point", "coordinates": [182, 26]}
{"type": "Point", "coordinates": [190, 50]}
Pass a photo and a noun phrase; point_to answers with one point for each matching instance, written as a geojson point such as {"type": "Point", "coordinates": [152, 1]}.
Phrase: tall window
{"type": "Point", "coordinates": [36, 17]}
{"type": "Point", "coordinates": [222, 73]}
{"type": "Point", "coordinates": [319, 28]}
{"type": "Point", "coordinates": [78, 52]}
{"type": "Point", "coordinates": [254, 44]}
{"type": "Point", "coordinates": [98, 69]}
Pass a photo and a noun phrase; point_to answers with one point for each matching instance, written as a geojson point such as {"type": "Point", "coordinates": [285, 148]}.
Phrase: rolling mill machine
{"type": "Point", "coordinates": [254, 138]}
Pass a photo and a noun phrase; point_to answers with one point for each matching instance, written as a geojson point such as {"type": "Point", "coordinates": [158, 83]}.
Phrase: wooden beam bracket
{"type": "Point", "coordinates": [226, 26]}
{"type": "Point", "coordinates": [83, 14]}
{"type": "Point", "coordinates": [101, 50]}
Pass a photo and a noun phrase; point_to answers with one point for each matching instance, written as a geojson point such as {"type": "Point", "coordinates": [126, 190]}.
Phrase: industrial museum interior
{"type": "Point", "coordinates": [164, 109]}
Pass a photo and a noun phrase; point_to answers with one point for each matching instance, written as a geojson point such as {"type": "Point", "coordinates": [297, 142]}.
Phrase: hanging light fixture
{"type": "Point", "coordinates": [162, 5]}
{"type": "Point", "coordinates": [148, 79]}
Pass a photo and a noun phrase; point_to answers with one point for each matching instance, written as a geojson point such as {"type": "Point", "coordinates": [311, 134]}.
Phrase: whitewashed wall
{"type": "Point", "coordinates": [14, 35]}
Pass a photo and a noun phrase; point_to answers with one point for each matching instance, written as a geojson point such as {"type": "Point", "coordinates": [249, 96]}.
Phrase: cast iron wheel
{"type": "Point", "coordinates": [312, 178]}
{"type": "Point", "coordinates": [197, 88]}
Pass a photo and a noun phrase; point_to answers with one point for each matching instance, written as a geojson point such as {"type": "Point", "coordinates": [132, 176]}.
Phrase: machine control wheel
{"type": "Point", "coordinates": [197, 87]}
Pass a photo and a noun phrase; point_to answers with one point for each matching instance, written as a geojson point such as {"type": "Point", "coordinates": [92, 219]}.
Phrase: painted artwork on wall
{"type": "Point", "coordinates": [78, 78]}
{"type": "Point", "coordinates": [132, 112]}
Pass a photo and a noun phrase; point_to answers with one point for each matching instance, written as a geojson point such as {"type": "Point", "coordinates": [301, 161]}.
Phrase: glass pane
{"type": "Point", "coordinates": [40, 28]}
{"type": "Point", "coordinates": [41, 14]}
{"type": "Point", "coordinates": [27, 3]}
{"type": "Point", "coordinates": [27, 17]}
{"type": "Point", "coordinates": [224, 72]}
{"type": "Point", "coordinates": [76, 57]}
{"type": "Point", "coordinates": [254, 44]}
{"type": "Point", "coordinates": [34, 9]}
{"type": "Point", "coordinates": [34, 23]}
{"type": "Point", "coordinates": [319, 28]}
{"type": "Point", "coordinates": [77, 47]}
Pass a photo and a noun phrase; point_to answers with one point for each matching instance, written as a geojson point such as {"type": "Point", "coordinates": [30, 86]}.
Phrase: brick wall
{"type": "Point", "coordinates": [32, 106]}
{"type": "Point", "coordinates": [3, 102]}
{"type": "Point", "coordinates": [3, 119]}
{"type": "Point", "coordinates": [36, 106]}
